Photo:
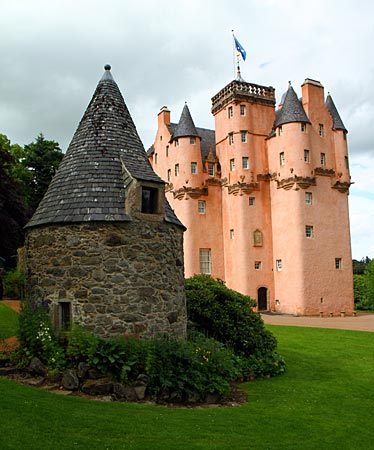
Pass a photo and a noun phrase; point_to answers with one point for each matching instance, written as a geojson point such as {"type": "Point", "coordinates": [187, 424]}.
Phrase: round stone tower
{"type": "Point", "coordinates": [104, 247]}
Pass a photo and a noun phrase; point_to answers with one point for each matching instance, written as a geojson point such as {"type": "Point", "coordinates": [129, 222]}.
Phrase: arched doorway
{"type": "Point", "coordinates": [262, 299]}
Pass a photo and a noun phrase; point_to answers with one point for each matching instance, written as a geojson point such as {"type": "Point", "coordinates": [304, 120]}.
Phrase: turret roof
{"type": "Point", "coordinates": [292, 109]}
{"type": "Point", "coordinates": [186, 126]}
{"type": "Point", "coordinates": [337, 121]}
{"type": "Point", "coordinates": [105, 149]}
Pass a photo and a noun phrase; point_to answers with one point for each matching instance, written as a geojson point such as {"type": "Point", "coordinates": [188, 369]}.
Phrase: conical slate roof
{"type": "Point", "coordinates": [185, 127]}
{"type": "Point", "coordinates": [292, 109]}
{"type": "Point", "coordinates": [337, 121]}
{"type": "Point", "coordinates": [105, 150]}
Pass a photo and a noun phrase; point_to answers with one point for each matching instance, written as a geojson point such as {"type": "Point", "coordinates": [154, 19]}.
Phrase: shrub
{"type": "Point", "coordinates": [227, 316]}
{"type": "Point", "coordinates": [14, 282]}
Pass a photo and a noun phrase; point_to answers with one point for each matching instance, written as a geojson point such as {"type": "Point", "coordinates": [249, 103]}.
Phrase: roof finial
{"type": "Point", "coordinates": [107, 67]}
{"type": "Point", "coordinates": [289, 83]}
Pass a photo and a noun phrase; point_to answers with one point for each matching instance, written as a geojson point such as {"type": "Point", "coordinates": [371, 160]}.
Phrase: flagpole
{"type": "Point", "coordinates": [233, 53]}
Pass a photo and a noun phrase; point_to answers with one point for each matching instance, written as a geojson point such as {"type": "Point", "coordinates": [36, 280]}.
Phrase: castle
{"type": "Point", "coordinates": [264, 197]}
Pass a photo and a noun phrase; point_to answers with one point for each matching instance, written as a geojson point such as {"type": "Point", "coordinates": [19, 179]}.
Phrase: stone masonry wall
{"type": "Point", "coordinates": [121, 278]}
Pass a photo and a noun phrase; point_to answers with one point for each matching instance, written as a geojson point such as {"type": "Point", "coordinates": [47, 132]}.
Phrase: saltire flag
{"type": "Point", "coordinates": [240, 49]}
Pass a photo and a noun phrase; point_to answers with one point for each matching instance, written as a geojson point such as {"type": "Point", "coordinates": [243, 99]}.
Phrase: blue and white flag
{"type": "Point", "coordinates": [240, 49]}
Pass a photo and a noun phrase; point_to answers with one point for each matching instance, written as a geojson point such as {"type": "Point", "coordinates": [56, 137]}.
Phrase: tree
{"type": "Point", "coordinates": [364, 288]}
{"type": "Point", "coordinates": [12, 208]}
{"type": "Point", "coordinates": [41, 158]}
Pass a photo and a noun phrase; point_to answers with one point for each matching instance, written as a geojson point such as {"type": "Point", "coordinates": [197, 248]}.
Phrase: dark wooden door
{"type": "Point", "coordinates": [262, 300]}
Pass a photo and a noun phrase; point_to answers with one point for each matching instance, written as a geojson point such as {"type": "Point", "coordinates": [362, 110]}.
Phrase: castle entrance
{"type": "Point", "coordinates": [262, 299]}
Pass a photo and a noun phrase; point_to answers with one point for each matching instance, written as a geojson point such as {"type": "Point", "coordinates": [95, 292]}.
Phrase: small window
{"type": "Point", "coordinates": [346, 162]}
{"type": "Point", "coordinates": [232, 234]}
{"type": "Point", "coordinates": [257, 265]}
{"type": "Point", "coordinates": [242, 110]}
{"type": "Point", "coordinates": [303, 127]}
{"type": "Point", "coordinates": [64, 315]}
{"type": "Point", "coordinates": [321, 130]}
{"type": "Point", "coordinates": [230, 112]}
{"type": "Point", "coordinates": [245, 162]}
{"type": "Point", "coordinates": [308, 198]}
{"type": "Point", "coordinates": [205, 261]}
{"type": "Point", "coordinates": [155, 158]}
{"type": "Point", "coordinates": [202, 207]}
{"type": "Point", "coordinates": [149, 200]}
{"type": "Point", "coordinates": [306, 156]}
{"type": "Point", "coordinates": [169, 175]}
{"type": "Point", "coordinates": [280, 130]}
{"type": "Point", "coordinates": [257, 238]}
{"type": "Point", "coordinates": [211, 169]}
{"type": "Point", "coordinates": [167, 150]}
{"type": "Point", "coordinates": [323, 159]}
{"type": "Point", "coordinates": [160, 138]}
{"type": "Point", "coordinates": [252, 201]}
{"type": "Point", "coordinates": [338, 263]}
{"type": "Point", "coordinates": [232, 164]}
{"type": "Point", "coordinates": [176, 170]}
{"type": "Point", "coordinates": [231, 138]}
{"type": "Point", "coordinates": [281, 159]}
{"type": "Point", "coordinates": [192, 140]}
{"type": "Point", "coordinates": [243, 136]}
{"type": "Point", "coordinates": [176, 143]}
{"type": "Point", "coordinates": [279, 265]}
{"type": "Point", "coordinates": [308, 231]}
{"type": "Point", "coordinates": [194, 168]}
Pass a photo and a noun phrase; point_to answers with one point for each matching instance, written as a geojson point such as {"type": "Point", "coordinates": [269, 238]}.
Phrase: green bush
{"type": "Point", "coordinates": [227, 316]}
{"type": "Point", "coordinates": [14, 282]}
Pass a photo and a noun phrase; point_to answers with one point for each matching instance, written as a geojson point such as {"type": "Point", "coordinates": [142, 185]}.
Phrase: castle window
{"type": "Point", "coordinates": [205, 261]}
{"type": "Point", "coordinates": [280, 130]}
{"type": "Point", "coordinates": [211, 169]}
{"type": "Point", "coordinates": [194, 168]}
{"type": "Point", "coordinates": [202, 206]}
{"type": "Point", "coordinates": [192, 140]}
{"type": "Point", "coordinates": [323, 159]}
{"type": "Point", "coordinates": [232, 234]}
{"type": "Point", "coordinates": [155, 158]}
{"type": "Point", "coordinates": [176, 143]}
{"type": "Point", "coordinates": [64, 315]}
{"type": "Point", "coordinates": [303, 127]}
{"type": "Point", "coordinates": [306, 156]}
{"type": "Point", "coordinates": [167, 150]}
{"type": "Point", "coordinates": [231, 138]}
{"type": "Point", "coordinates": [338, 263]}
{"type": "Point", "coordinates": [242, 110]}
{"type": "Point", "coordinates": [308, 231]}
{"type": "Point", "coordinates": [245, 162]}
{"type": "Point", "coordinates": [308, 198]}
{"type": "Point", "coordinates": [230, 112]}
{"type": "Point", "coordinates": [176, 170]}
{"type": "Point", "coordinates": [149, 200]}
{"type": "Point", "coordinates": [252, 201]}
{"type": "Point", "coordinates": [232, 164]}
{"type": "Point", "coordinates": [346, 162]}
{"type": "Point", "coordinates": [281, 159]}
{"type": "Point", "coordinates": [257, 238]}
{"type": "Point", "coordinates": [321, 130]}
{"type": "Point", "coordinates": [169, 175]}
{"type": "Point", "coordinates": [257, 265]}
{"type": "Point", "coordinates": [244, 136]}
{"type": "Point", "coordinates": [160, 138]}
{"type": "Point", "coordinates": [279, 265]}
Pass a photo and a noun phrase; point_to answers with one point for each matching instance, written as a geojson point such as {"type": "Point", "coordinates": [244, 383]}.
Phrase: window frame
{"type": "Point", "coordinates": [309, 231]}
{"type": "Point", "coordinates": [205, 261]}
{"type": "Point", "coordinates": [306, 155]}
{"type": "Point", "coordinates": [245, 162]}
{"type": "Point", "coordinates": [282, 159]}
{"type": "Point", "coordinates": [243, 110]}
{"type": "Point", "coordinates": [309, 198]}
{"type": "Point", "coordinates": [176, 170]}
{"type": "Point", "coordinates": [194, 168]}
{"type": "Point", "coordinates": [338, 263]}
{"type": "Point", "coordinates": [258, 265]}
{"type": "Point", "coordinates": [201, 206]}
{"type": "Point", "coordinates": [279, 265]}
{"type": "Point", "coordinates": [232, 164]}
{"type": "Point", "coordinates": [243, 136]}
{"type": "Point", "coordinates": [230, 112]}
{"type": "Point", "coordinates": [211, 169]}
{"type": "Point", "coordinates": [323, 159]}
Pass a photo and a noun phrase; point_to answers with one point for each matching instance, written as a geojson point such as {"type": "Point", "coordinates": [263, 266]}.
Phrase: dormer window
{"type": "Point", "coordinates": [149, 200]}
{"type": "Point", "coordinates": [211, 169]}
{"type": "Point", "coordinates": [192, 140]}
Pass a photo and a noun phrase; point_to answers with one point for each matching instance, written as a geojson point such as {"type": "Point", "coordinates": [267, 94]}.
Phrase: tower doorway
{"type": "Point", "coordinates": [262, 299]}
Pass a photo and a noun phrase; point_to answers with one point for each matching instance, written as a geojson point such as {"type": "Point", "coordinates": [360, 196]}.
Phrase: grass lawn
{"type": "Point", "coordinates": [324, 401]}
{"type": "Point", "coordinates": [8, 322]}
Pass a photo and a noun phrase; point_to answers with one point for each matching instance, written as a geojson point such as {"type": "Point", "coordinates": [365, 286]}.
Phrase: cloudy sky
{"type": "Point", "coordinates": [168, 52]}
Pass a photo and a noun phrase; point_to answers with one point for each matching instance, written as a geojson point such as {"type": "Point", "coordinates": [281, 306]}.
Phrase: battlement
{"type": "Point", "coordinates": [238, 91]}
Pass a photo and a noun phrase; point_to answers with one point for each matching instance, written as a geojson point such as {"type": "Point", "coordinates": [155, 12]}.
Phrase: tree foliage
{"type": "Point", "coordinates": [359, 266]}
{"type": "Point", "coordinates": [364, 288]}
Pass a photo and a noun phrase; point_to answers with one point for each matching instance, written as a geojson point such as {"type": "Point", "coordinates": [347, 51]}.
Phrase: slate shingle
{"type": "Point", "coordinates": [337, 121]}
{"type": "Point", "coordinates": [292, 110]}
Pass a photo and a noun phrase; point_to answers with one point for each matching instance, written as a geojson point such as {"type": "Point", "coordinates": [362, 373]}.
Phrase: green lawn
{"type": "Point", "coordinates": [8, 322]}
{"type": "Point", "coordinates": [324, 401]}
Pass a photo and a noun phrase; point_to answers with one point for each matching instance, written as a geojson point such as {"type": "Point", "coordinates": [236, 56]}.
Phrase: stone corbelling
{"type": "Point", "coordinates": [190, 192]}
{"type": "Point", "coordinates": [342, 186]}
{"type": "Point", "coordinates": [324, 172]}
{"type": "Point", "coordinates": [243, 188]}
{"type": "Point", "coordinates": [302, 182]}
